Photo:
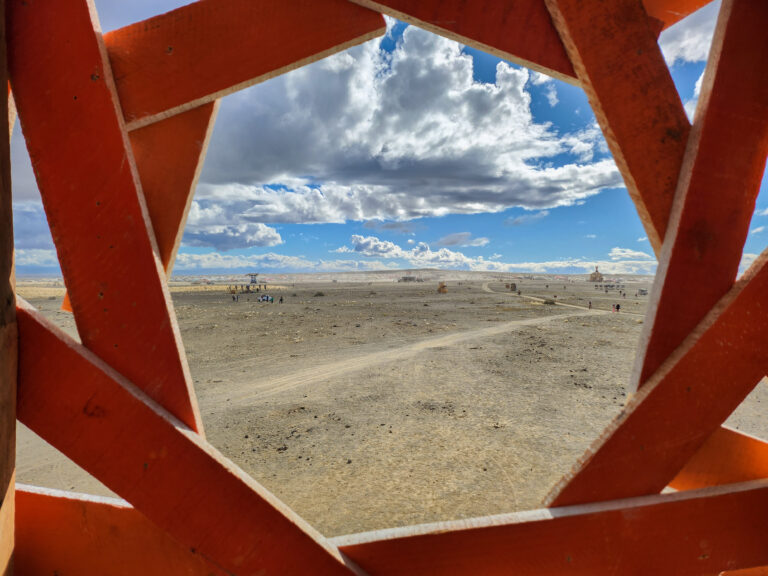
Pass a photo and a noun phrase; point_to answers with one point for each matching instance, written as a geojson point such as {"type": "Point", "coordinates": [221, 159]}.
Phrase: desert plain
{"type": "Point", "coordinates": [366, 403]}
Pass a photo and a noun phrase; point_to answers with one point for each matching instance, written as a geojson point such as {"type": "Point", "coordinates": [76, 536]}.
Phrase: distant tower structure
{"type": "Point", "coordinates": [254, 278]}
{"type": "Point", "coordinates": [596, 276]}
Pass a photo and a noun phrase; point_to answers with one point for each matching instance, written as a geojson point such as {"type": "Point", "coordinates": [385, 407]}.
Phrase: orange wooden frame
{"type": "Point", "coordinates": [114, 111]}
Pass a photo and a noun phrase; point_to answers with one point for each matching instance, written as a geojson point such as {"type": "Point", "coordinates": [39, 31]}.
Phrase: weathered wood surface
{"type": "Point", "coordinates": [682, 404]}
{"type": "Point", "coordinates": [65, 533]}
{"type": "Point", "coordinates": [87, 178]}
{"type": "Point", "coordinates": [8, 331]}
{"type": "Point", "coordinates": [697, 532]}
{"type": "Point", "coordinates": [210, 48]}
{"type": "Point", "coordinates": [720, 180]}
{"type": "Point", "coordinates": [170, 474]}
{"type": "Point", "coordinates": [614, 51]}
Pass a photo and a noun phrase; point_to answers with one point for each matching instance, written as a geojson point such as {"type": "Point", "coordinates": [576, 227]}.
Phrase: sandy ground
{"type": "Point", "coordinates": [371, 405]}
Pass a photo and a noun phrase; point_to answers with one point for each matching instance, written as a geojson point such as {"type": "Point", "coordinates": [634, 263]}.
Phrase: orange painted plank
{"type": "Point", "coordinates": [720, 180]}
{"type": "Point", "coordinates": [65, 533]}
{"type": "Point", "coordinates": [95, 207]}
{"type": "Point", "coordinates": [516, 30]}
{"type": "Point", "coordinates": [8, 330]}
{"type": "Point", "coordinates": [726, 457]}
{"type": "Point", "coordinates": [682, 404]}
{"type": "Point", "coordinates": [75, 401]}
{"type": "Point", "coordinates": [613, 48]}
{"type": "Point", "coordinates": [169, 157]}
{"type": "Point", "coordinates": [695, 532]}
{"type": "Point", "coordinates": [203, 51]}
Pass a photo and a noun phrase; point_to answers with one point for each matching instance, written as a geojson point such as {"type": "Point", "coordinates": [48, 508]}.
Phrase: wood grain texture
{"type": "Point", "coordinates": [65, 533]}
{"type": "Point", "coordinates": [727, 457]}
{"type": "Point", "coordinates": [8, 330]}
{"type": "Point", "coordinates": [719, 183]}
{"type": "Point", "coordinates": [85, 171]}
{"type": "Point", "coordinates": [205, 50]}
{"type": "Point", "coordinates": [181, 483]}
{"type": "Point", "coordinates": [682, 404]}
{"type": "Point", "coordinates": [613, 48]}
{"type": "Point", "coordinates": [516, 30]}
{"type": "Point", "coordinates": [697, 532]}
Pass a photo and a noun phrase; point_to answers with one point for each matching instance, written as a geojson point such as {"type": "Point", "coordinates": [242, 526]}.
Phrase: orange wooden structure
{"type": "Point", "coordinates": [104, 116]}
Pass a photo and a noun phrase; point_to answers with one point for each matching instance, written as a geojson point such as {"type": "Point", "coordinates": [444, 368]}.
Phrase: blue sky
{"type": "Point", "coordinates": [409, 151]}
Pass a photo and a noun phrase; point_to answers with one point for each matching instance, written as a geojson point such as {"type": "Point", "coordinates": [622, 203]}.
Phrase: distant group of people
{"type": "Point", "coordinates": [614, 307]}
{"type": "Point", "coordinates": [261, 298]}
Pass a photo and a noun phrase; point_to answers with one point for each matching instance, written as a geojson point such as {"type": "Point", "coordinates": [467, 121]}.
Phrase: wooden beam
{"type": "Point", "coordinates": [720, 180]}
{"type": "Point", "coordinates": [613, 48]}
{"type": "Point", "coordinates": [87, 179]}
{"type": "Point", "coordinates": [8, 329]}
{"type": "Point", "coordinates": [696, 532]}
{"type": "Point", "coordinates": [726, 457]}
{"type": "Point", "coordinates": [65, 533]}
{"type": "Point", "coordinates": [205, 50]}
{"type": "Point", "coordinates": [682, 404]}
{"type": "Point", "coordinates": [517, 30]}
{"type": "Point", "coordinates": [79, 404]}
{"type": "Point", "coordinates": [169, 157]}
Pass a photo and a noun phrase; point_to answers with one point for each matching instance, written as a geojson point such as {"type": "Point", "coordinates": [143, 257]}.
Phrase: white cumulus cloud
{"type": "Point", "coordinates": [689, 40]}
{"type": "Point", "coordinates": [628, 254]}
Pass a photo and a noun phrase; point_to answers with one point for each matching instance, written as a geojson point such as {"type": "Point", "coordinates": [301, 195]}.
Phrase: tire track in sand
{"type": "Point", "coordinates": [334, 369]}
